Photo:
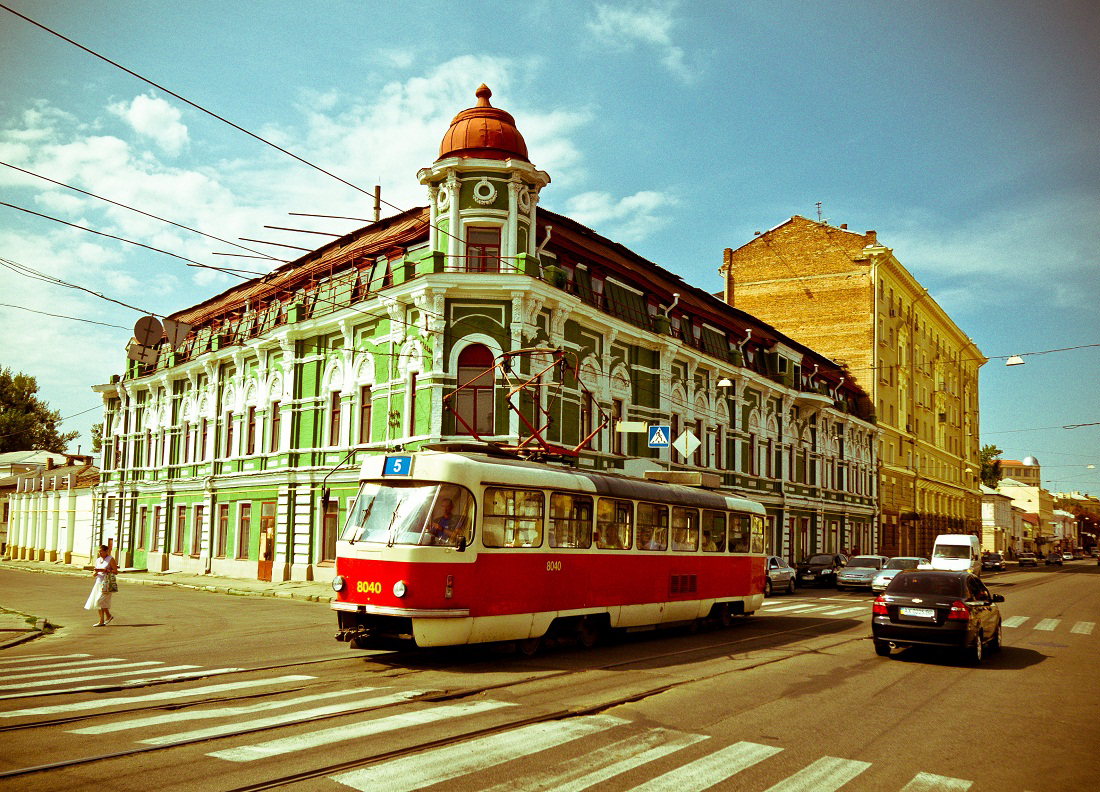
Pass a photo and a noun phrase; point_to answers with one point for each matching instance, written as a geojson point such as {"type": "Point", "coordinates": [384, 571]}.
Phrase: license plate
{"type": "Point", "coordinates": [807, 577]}
{"type": "Point", "coordinates": [919, 613]}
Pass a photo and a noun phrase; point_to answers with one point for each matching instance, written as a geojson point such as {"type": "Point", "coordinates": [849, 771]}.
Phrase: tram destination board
{"type": "Point", "coordinates": [397, 466]}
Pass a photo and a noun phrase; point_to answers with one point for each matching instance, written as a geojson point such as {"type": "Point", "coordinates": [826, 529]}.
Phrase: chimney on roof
{"type": "Point", "coordinates": [49, 463]}
{"type": "Point", "coordinates": [843, 226]}
{"type": "Point", "coordinates": [872, 238]}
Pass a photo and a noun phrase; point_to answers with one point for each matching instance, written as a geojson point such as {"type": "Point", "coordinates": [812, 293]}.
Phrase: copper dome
{"type": "Point", "coordinates": [484, 132]}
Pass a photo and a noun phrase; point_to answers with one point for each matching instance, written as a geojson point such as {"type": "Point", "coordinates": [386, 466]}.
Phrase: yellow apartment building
{"type": "Point", "coordinates": [847, 296]}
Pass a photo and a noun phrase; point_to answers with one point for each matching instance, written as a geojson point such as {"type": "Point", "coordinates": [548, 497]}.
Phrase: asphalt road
{"type": "Point", "coordinates": [248, 692]}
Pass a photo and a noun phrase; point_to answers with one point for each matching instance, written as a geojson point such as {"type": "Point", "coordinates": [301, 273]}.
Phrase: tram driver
{"type": "Point", "coordinates": [445, 527]}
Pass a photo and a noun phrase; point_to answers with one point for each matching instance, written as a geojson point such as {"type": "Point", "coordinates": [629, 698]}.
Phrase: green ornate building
{"type": "Point", "coordinates": [216, 455]}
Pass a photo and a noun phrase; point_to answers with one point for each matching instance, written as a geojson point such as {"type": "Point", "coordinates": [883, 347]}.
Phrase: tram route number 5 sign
{"type": "Point", "coordinates": [397, 466]}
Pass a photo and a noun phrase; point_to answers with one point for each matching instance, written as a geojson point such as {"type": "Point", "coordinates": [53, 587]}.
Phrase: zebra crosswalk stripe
{"type": "Point", "coordinates": [1083, 628]}
{"type": "Point", "coordinates": [443, 764]}
{"type": "Point", "coordinates": [1048, 624]}
{"type": "Point", "coordinates": [930, 782]}
{"type": "Point", "coordinates": [38, 658]}
{"type": "Point", "coordinates": [417, 718]}
{"type": "Point", "coordinates": [44, 682]}
{"type": "Point", "coordinates": [711, 769]}
{"type": "Point", "coordinates": [844, 611]}
{"type": "Point", "coordinates": [69, 671]}
{"type": "Point", "coordinates": [602, 764]}
{"type": "Point", "coordinates": [216, 712]}
{"type": "Point", "coordinates": [284, 718]}
{"type": "Point", "coordinates": [1014, 621]}
{"type": "Point", "coordinates": [164, 695]}
{"type": "Point", "coordinates": [825, 775]}
{"type": "Point", "coordinates": [47, 667]}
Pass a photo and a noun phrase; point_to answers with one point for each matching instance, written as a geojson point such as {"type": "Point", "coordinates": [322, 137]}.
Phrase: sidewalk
{"type": "Point", "coordinates": [310, 590]}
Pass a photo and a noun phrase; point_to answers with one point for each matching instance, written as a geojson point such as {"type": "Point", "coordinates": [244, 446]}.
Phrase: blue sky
{"type": "Point", "coordinates": [965, 133]}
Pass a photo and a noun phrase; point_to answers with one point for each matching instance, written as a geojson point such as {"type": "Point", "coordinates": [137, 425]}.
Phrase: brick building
{"type": "Point", "coordinates": [849, 296]}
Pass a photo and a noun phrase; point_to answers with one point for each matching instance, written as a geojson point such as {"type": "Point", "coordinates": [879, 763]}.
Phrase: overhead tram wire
{"type": "Point", "coordinates": [62, 316]}
{"type": "Point", "coordinates": [28, 272]}
{"type": "Point", "coordinates": [190, 262]}
{"type": "Point", "coordinates": [212, 114]}
{"type": "Point", "coordinates": [139, 211]}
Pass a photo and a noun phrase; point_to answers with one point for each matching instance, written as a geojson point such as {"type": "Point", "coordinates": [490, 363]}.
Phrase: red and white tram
{"type": "Point", "coordinates": [447, 548]}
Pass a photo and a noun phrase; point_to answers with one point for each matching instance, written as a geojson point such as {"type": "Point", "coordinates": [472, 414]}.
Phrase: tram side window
{"type": "Point", "coordinates": [757, 534]}
{"type": "Point", "coordinates": [714, 532]}
{"type": "Point", "coordinates": [513, 517]}
{"type": "Point", "coordinates": [570, 520]}
{"type": "Point", "coordinates": [739, 533]}
{"type": "Point", "coordinates": [652, 527]}
{"type": "Point", "coordinates": [685, 529]}
{"type": "Point", "coordinates": [614, 524]}
{"type": "Point", "coordinates": [451, 517]}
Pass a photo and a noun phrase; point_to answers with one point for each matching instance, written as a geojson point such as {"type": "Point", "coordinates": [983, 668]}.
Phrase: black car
{"type": "Point", "coordinates": [937, 608]}
{"type": "Point", "coordinates": [1054, 558]}
{"type": "Point", "coordinates": [993, 561]}
{"type": "Point", "coordinates": [1027, 559]}
{"type": "Point", "coordinates": [820, 569]}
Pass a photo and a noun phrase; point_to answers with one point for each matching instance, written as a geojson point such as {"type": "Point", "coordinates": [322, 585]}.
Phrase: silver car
{"type": "Point", "coordinates": [780, 576]}
{"type": "Point", "coordinates": [860, 571]}
{"type": "Point", "coordinates": [893, 566]}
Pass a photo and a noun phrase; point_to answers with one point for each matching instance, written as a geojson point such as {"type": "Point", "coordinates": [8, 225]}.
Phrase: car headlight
{"type": "Point", "coordinates": [338, 583]}
{"type": "Point", "coordinates": [399, 589]}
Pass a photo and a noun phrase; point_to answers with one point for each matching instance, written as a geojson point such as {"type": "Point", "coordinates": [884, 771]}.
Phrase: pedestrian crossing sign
{"type": "Point", "coordinates": [660, 436]}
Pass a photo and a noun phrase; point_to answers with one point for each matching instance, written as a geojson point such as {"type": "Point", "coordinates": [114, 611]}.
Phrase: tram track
{"type": "Point", "coordinates": [643, 692]}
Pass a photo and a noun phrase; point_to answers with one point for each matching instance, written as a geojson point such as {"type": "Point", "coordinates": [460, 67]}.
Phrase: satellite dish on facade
{"type": "Point", "coordinates": [148, 331]}
{"type": "Point", "coordinates": [140, 352]}
{"type": "Point", "coordinates": [176, 331]}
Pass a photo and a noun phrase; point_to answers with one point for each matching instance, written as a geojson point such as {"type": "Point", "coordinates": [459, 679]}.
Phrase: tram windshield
{"type": "Point", "coordinates": [410, 513]}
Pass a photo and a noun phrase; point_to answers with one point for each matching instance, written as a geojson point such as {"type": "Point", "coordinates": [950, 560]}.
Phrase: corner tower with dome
{"type": "Point", "coordinates": [216, 455]}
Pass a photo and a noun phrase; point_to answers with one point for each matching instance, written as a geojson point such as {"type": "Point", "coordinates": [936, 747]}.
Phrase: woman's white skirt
{"type": "Point", "coordinates": [100, 597]}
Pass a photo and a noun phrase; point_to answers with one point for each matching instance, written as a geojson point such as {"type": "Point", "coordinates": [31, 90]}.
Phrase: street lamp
{"type": "Point", "coordinates": [1015, 360]}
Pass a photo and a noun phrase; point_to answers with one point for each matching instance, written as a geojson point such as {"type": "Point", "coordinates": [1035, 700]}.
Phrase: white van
{"type": "Point", "coordinates": [957, 552]}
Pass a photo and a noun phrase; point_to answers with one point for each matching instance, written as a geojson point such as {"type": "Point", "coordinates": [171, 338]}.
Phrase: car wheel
{"type": "Point", "coordinates": [790, 586]}
{"type": "Point", "coordinates": [996, 643]}
{"type": "Point", "coordinates": [767, 587]}
{"type": "Point", "coordinates": [975, 652]}
{"type": "Point", "coordinates": [882, 649]}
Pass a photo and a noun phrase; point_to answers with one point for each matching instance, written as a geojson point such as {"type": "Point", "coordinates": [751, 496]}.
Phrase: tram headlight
{"type": "Point", "coordinates": [399, 589]}
{"type": "Point", "coordinates": [338, 583]}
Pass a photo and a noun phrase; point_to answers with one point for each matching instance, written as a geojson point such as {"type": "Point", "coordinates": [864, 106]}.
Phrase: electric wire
{"type": "Point", "coordinates": [138, 211]}
{"type": "Point", "coordinates": [62, 316]}
{"type": "Point", "coordinates": [190, 262]}
{"type": "Point", "coordinates": [28, 272]}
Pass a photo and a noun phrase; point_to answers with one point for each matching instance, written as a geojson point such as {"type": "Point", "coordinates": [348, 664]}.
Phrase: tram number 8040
{"type": "Point", "coordinates": [553, 566]}
{"type": "Point", "coordinates": [368, 587]}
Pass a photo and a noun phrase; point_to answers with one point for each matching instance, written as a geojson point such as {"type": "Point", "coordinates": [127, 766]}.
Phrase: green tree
{"type": "Point", "coordinates": [26, 422]}
{"type": "Point", "coordinates": [991, 465]}
{"type": "Point", "coordinates": [97, 437]}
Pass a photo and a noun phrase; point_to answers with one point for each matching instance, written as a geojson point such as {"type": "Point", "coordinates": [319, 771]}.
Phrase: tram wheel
{"type": "Point", "coordinates": [588, 633]}
{"type": "Point", "coordinates": [530, 646]}
{"type": "Point", "coordinates": [725, 618]}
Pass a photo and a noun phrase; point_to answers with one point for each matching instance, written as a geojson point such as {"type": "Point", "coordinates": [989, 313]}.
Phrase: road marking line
{"type": "Point", "coordinates": [39, 658]}
{"type": "Point", "coordinates": [842, 611]}
{"type": "Point", "coordinates": [69, 671]}
{"type": "Point", "coordinates": [711, 769]}
{"type": "Point", "coordinates": [219, 712]}
{"type": "Point", "coordinates": [1083, 628]}
{"type": "Point", "coordinates": [166, 695]}
{"type": "Point", "coordinates": [603, 764]}
{"type": "Point", "coordinates": [284, 718]}
{"type": "Point", "coordinates": [1048, 624]}
{"type": "Point", "coordinates": [416, 718]}
{"type": "Point", "coordinates": [825, 775]}
{"type": "Point", "coordinates": [202, 672]}
{"type": "Point", "coordinates": [443, 764]}
{"type": "Point", "coordinates": [804, 607]}
{"type": "Point", "coordinates": [43, 682]}
{"type": "Point", "coordinates": [930, 782]}
{"type": "Point", "coordinates": [1014, 621]}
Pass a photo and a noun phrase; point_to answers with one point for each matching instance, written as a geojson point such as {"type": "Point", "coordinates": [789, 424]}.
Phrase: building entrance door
{"type": "Point", "coordinates": [267, 540]}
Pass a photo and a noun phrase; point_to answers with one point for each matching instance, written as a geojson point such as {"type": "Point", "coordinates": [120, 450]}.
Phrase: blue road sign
{"type": "Point", "coordinates": [397, 466]}
{"type": "Point", "coordinates": [660, 436]}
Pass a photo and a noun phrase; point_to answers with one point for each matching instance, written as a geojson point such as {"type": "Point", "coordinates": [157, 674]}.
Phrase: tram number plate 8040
{"type": "Point", "coordinates": [397, 466]}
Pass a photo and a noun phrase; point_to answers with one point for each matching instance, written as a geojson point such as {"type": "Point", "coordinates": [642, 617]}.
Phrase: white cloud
{"type": "Point", "coordinates": [626, 220]}
{"type": "Point", "coordinates": [154, 118]}
{"type": "Point", "coordinates": [624, 28]}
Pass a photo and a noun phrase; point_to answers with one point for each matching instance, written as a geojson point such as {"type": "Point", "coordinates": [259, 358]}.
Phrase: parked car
{"type": "Point", "coordinates": [1027, 559]}
{"type": "Point", "coordinates": [819, 569]}
{"type": "Point", "coordinates": [780, 576]}
{"type": "Point", "coordinates": [1054, 558]}
{"type": "Point", "coordinates": [937, 608]}
{"type": "Point", "coordinates": [893, 566]}
{"type": "Point", "coordinates": [993, 562]}
{"type": "Point", "coordinates": [1067, 556]}
{"type": "Point", "coordinates": [1095, 552]}
{"type": "Point", "coordinates": [860, 571]}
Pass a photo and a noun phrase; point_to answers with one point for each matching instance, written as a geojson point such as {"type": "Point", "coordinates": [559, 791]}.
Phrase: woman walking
{"type": "Point", "coordinates": [100, 598]}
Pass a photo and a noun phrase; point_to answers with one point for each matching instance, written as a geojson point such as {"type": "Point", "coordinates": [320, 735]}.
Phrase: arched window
{"type": "Point", "coordinates": [474, 403]}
